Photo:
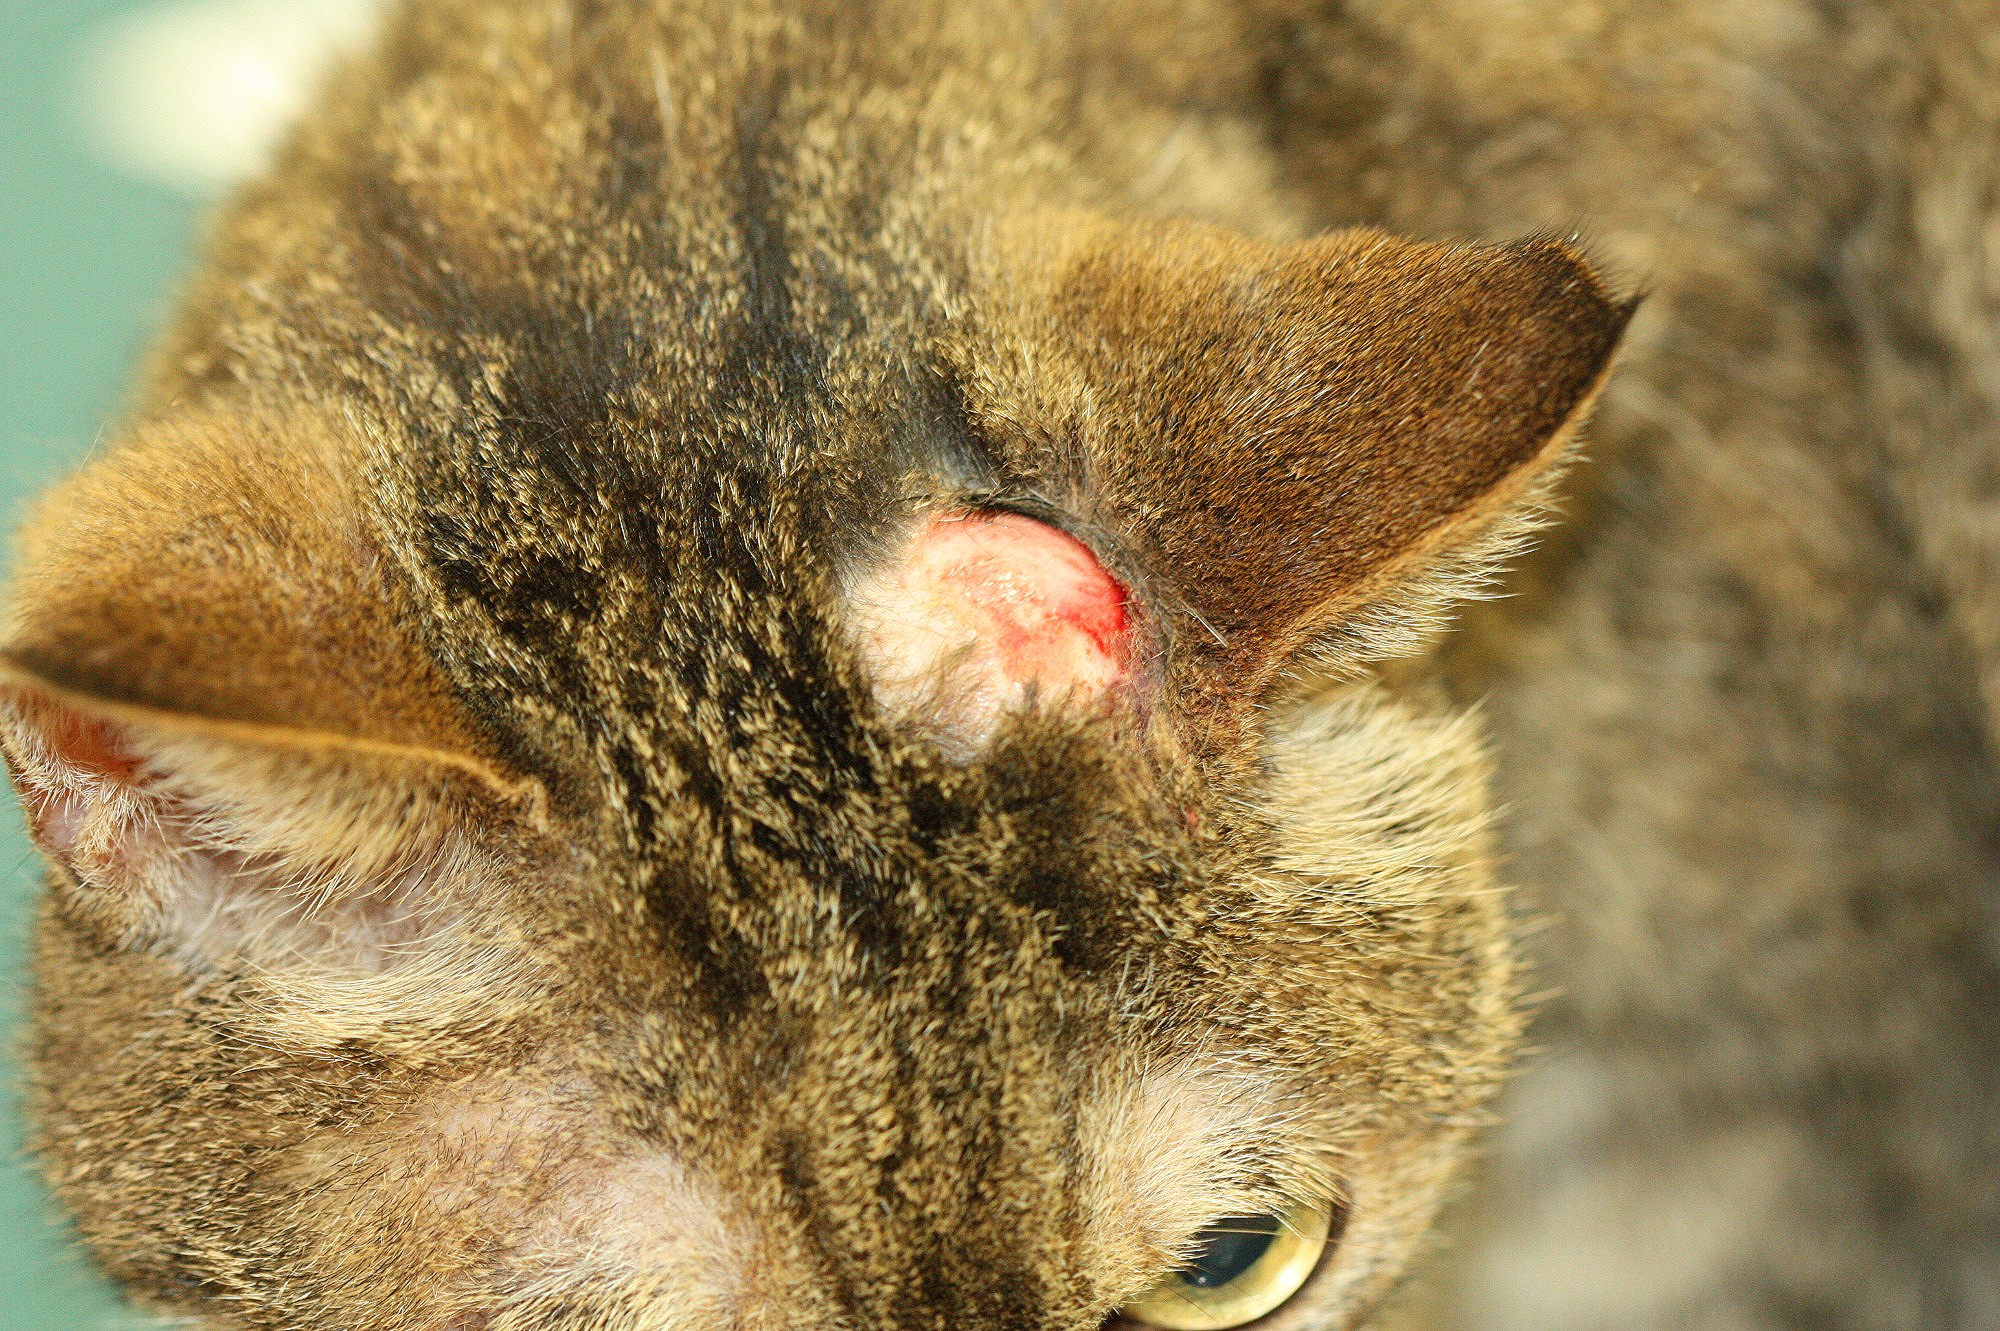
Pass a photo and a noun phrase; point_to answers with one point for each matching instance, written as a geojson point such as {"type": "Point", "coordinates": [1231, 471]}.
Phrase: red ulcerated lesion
{"type": "Point", "coordinates": [981, 610]}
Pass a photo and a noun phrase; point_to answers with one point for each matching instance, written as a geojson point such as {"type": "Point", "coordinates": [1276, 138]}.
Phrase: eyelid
{"type": "Point", "coordinates": [1273, 1191]}
{"type": "Point", "coordinates": [1197, 1294]}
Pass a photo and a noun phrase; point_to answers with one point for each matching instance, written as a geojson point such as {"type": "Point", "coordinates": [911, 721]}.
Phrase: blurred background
{"type": "Point", "coordinates": [119, 120]}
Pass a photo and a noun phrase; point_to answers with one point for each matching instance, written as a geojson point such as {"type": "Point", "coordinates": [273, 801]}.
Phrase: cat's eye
{"type": "Point", "coordinates": [1242, 1268]}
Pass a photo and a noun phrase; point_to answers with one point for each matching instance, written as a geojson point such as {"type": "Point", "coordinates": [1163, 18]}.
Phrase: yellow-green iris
{"type": "Point", "coordinates": [1243, 1268]}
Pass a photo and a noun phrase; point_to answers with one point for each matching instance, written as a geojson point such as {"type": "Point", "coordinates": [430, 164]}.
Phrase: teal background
{"type": "Point", "coordinates": [87, 261]}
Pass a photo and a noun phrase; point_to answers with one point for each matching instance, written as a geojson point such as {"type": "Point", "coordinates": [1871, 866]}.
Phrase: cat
{"type": "Point", "coordinates": [773, 664]}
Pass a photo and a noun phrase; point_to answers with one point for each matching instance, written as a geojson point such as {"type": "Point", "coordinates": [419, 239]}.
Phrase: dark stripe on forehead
{"type": "Point", "coordinates": [920, 1238]}
{"type": "Point", "coordinates": [770, 351]}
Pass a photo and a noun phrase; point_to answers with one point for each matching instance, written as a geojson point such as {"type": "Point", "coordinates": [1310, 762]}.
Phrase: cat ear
{"type": "Point", "coordinates": [220, 726]}
{"type": "Point", "coordinates": [226, 842]}
{"type": "Point", "coordinates": [1288, 445]}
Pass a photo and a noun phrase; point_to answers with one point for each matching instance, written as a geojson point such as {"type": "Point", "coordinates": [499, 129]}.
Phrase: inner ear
{"type": "Point", "coordinates": [978, 612]}
{"type": "Point", "coordinates": [82, 761]}
{"type": "Point", "coordinates": [222, 842]}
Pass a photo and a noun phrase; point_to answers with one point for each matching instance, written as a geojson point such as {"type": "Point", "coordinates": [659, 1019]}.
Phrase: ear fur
{"type": "Point", "coordinates": [1282, 439]}
{"type": "Point", "coordinates": [217, 840]}
{"type": "Point", "coordinates": [215, 714]}
{"type": "Point", "coordinates": [219, 564]}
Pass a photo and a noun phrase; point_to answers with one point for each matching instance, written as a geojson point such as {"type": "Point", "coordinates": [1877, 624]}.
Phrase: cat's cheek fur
{"type": "Point", "coordinates": [1380, 805]}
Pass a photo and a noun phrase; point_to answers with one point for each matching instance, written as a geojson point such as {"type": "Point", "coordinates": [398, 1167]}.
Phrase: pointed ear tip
{"type": "Point", "coordinates": [1566, 309]}
{"type": "Point", "coordinates": [1567, 262]}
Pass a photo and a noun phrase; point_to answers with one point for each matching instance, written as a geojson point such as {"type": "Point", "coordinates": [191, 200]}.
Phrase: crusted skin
{"type": "Point", "coordinates": [468, 584]}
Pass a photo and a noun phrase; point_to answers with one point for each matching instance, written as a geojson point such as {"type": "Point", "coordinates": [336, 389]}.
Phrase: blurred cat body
{"type": "Point", "coordinates": [517, 864]}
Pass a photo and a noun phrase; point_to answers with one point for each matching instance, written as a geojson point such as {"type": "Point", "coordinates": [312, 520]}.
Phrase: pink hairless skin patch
{"type": "Point", "coordinates": [982, 609]}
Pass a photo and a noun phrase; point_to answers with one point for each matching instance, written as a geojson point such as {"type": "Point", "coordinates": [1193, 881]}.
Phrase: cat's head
{"type": "Point", "coordinates": [605, 771]}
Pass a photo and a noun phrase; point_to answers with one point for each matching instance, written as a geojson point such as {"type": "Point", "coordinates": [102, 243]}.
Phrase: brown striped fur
{"type": "Point", "coordinates": [486, 892]}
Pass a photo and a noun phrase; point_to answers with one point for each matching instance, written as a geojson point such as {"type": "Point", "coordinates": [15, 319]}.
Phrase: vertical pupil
{"type": "Point", "coordinates": [1228, 1249]}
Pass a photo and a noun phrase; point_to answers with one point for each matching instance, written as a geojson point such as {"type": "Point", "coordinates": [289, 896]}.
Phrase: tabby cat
{"type": "Point", "coordinates": [768, 663]}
